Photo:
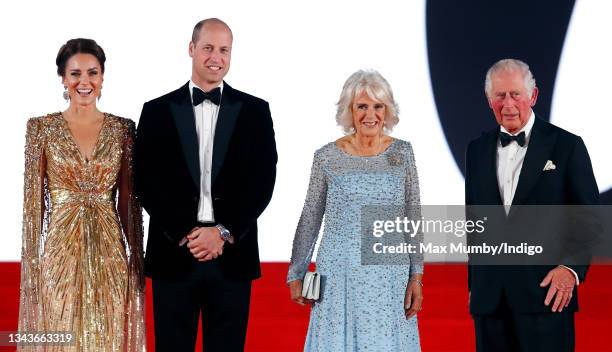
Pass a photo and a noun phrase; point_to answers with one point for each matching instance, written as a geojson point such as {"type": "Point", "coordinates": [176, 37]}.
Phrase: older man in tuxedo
{"type": "Point", "coordinates": [205, 166]}
{"type": "Point", "coordinates": [524, 161]}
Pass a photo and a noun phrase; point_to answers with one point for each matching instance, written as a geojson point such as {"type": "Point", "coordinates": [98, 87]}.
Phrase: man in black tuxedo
{"type": "Point", "coordinates": [205, 166]}
{"type": "Point", "coordinates": [524, 161]}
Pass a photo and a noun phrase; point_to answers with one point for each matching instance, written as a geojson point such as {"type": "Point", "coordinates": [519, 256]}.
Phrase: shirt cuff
{"type": "Point", "coordinates": [573, 272]}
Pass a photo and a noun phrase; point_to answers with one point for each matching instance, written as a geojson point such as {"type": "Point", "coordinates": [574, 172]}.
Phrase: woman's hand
{"type": "Point", "coordinates": [295, 288]}
{"type": "Point", "coordinates": [413, 300]}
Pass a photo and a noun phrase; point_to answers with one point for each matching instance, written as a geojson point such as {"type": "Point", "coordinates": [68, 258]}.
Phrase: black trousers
{"type": "Point", "coordinates": [505, 330]}
{"type": "Point", "coordinates": [224, 305]}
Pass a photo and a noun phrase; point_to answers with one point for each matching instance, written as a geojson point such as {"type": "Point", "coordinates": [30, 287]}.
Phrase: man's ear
{"type": "Point", "coordinates": [534, 96]}
{"type": "Point", "coordinates": [191, 49]}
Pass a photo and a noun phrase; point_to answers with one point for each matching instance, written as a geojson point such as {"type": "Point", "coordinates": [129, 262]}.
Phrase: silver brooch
{"type": "Point", "coordinates": [395, 159]}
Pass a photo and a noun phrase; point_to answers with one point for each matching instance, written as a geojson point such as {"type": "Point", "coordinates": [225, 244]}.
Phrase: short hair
{"type": "Point", "coordinates": [195, 35]}
{"type": "Point", "coordinates": [377, 88]}
{"type": "Point", "coordinates": [510, 65]}
{"type": "Point", "coordinates": [78, 46]}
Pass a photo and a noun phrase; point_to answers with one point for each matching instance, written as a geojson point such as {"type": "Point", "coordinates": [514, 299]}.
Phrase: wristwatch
{"type": "Point", "coordinates": [223, 232]}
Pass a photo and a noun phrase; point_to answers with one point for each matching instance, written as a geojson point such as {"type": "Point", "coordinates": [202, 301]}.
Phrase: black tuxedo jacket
{"type": "Point", "coordinates": [571, 183]}
{"type": "Point", "coordinates": [167, 178]}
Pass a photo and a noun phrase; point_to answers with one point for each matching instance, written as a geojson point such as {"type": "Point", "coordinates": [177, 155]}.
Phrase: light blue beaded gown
{"type": "Point", "coordinates": [361, 306]}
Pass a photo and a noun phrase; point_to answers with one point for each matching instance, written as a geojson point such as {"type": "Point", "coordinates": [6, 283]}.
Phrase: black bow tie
{"type": "Point", "coordinates": [505, 138]}
{"type": "Point", "coordinates": [199, 96]}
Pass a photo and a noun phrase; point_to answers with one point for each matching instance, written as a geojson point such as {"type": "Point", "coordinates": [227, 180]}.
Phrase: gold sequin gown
{"type": "Point", "coordinates": [82, 258]}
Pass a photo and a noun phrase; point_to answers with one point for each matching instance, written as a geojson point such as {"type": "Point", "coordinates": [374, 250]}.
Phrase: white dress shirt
{"type": "Point", "coordinates": [206, 114]}
{"type": "Point", "coordinates": [509, 164]}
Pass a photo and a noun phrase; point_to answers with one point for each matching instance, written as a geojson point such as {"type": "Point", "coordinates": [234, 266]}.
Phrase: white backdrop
{"type": "Point", "coordinates": [294, 55]}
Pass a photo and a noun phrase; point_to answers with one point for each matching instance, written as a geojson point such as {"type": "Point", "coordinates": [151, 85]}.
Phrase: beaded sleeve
{"type": "Point", "coordinates": [130, 213]}
{"type": "Point", "coordinates": [33, 227]}
{"type": "Point", "coordinates": [309, 225]}
{"type": "Point", "coordinates": [413, 208]}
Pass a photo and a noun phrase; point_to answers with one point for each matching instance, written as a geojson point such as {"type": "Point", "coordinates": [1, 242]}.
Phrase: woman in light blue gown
{"type": "Point", "coordinates": [363, 306]}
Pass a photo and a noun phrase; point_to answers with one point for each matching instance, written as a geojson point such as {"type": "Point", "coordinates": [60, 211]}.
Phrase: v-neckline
{"type": "Point", "coordinates": [76, 144]}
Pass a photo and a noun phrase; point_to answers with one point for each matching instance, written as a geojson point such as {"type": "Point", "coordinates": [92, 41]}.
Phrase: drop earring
{"type": "Point", "coordinates": [65, 95]}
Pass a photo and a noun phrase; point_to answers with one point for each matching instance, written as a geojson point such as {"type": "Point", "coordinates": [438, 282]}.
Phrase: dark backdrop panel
{"type": "Point", "coordinates": [464, 38]}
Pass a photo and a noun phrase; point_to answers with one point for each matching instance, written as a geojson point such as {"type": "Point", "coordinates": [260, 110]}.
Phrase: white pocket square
{"type": "Point", "coordinates": [549, 165]}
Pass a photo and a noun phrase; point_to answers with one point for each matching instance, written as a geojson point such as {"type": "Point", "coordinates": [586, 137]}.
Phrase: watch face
{"type": "Point", "coordinates": [223, 232]}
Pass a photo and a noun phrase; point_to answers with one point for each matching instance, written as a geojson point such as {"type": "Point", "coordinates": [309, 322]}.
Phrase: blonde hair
{"type": "Point", "coordinates": [376, 87]}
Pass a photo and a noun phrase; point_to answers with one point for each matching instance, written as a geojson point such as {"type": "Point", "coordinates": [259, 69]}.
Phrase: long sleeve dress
{"type": "Point", "coordinates": [82, 257]}
{"type": "Point", "coordinates": [361, 306]}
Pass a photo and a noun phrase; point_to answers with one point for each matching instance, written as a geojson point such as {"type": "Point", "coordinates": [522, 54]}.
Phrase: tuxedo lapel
{"type": "Point", "coordinates": [228, 114]}
{"type": "Point", "coordinates": [487, 167]}
{"type": "Point", "coordinates": [541, 144]}
{"type": "Point", "coordinates": [184, 119]}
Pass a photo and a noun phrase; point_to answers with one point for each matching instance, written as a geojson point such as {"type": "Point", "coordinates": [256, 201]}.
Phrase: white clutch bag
{"type": "Point", "coordinates": [311, 287]}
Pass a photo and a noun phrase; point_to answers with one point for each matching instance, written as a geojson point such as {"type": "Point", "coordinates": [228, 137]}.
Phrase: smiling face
{"type": "Point", "coordinates": [510, 100]}
{"type": "Point", "coordinates": [368, 115]}
{"type": "Point", "coordinates": [83, 79]}
{"type": "Point", "coordinates": [211, 55]}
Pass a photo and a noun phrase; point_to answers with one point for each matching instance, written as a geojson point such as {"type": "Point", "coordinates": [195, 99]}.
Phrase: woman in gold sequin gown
{"type": "Point", "coordinates": [82, 254]}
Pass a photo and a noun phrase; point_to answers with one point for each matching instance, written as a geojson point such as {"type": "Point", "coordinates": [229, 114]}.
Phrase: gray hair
{"type": "Point", "coordinates": [377, 88]}
{"type": "Point", "coordinates": [511, 65]}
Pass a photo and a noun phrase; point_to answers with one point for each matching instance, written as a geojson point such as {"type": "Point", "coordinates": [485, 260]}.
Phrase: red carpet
{"type": "Point", "coordinates": [276, 324]}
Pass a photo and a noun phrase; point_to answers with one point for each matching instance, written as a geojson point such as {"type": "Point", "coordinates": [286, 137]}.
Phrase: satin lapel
{"type": "Point", "coordinates": [182, 112]}
{"type": "Point", "coordinates": [228, 114]}
{"type": "Point", "coordinates": [488, 170]}
{"type": "Point", "coordinates": [541, 144]}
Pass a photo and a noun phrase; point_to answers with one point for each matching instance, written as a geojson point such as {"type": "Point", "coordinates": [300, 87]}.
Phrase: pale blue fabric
{"type": "Point", "coordinates": [361, 308]}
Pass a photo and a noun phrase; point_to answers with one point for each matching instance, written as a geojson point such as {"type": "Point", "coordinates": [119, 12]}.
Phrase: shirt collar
{"type": "Point", "coordinates": [527, 128]}
{"type": "Point", "coordinates": [192, 85]}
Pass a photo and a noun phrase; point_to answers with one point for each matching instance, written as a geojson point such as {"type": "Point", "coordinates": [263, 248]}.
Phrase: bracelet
{"type": "Point", "coordinates": [417, 281]}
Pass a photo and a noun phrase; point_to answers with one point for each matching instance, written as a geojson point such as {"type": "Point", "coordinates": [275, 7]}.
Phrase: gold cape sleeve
{"type": "Point", "coordinates": [130, 212]}
{"type": "Point", "coordinates": [30, 310]}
